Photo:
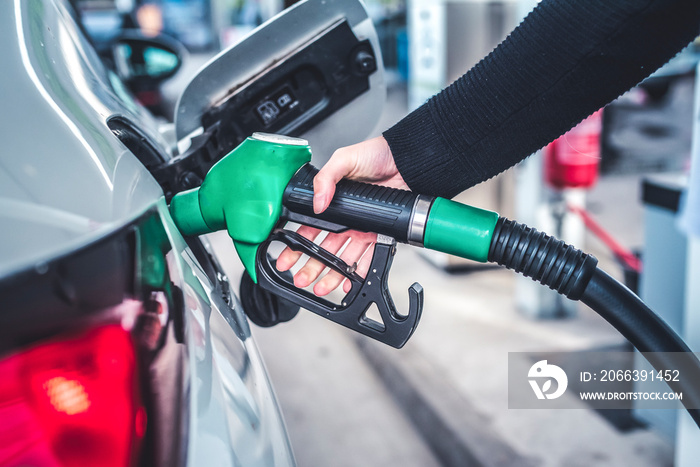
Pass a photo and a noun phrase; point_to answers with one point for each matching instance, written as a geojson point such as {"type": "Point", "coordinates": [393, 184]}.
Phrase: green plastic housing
{"type": "Point", "coordinates": [460, 230]}
{"type": "Point", "coordinates": [242, 193]}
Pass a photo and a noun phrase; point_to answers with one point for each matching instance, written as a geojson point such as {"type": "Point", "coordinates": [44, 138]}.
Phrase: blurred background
{"type": "Point", "coordinates": [612, 186]}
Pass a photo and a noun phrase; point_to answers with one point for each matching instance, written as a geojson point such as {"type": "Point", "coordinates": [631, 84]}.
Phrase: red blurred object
{"type": "Point", "coordinates": [571, 161]}
{"type": "Point", "coordinates": [72, 401]}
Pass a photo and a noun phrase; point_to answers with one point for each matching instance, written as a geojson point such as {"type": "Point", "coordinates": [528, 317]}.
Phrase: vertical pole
{"type": "Point", "coordinates": [427, 24]}
{"type": "Point", "coordinates": [688, 436]}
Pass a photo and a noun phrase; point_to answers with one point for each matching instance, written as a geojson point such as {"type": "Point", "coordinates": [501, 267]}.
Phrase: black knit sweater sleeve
{"type": "Point", "coordinates": [566, 60]}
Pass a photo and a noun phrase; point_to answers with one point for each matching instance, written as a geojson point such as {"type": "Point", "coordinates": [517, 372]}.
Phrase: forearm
{"type": "Point", "coordinates": [565, 61]}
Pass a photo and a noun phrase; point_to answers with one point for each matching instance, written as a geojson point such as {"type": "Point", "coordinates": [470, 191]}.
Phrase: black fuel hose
{"type": "Point", "coordinates": [575, 274]}
{"type": "Point", "coordinates": [661, 346]}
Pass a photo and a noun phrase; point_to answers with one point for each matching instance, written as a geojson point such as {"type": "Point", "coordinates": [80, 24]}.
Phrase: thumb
{"type": "Point", "coordinates": [326, 180]}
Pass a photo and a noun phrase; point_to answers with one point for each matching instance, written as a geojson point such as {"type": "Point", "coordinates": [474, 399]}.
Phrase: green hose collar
{"type": "Point", "coordinates": [460, 230]}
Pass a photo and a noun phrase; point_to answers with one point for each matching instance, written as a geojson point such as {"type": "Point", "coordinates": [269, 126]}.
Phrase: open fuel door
{"type": "Point", "coordinates": [313, 71]}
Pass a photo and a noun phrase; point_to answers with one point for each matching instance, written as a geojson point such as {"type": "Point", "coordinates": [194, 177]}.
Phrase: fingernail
{"type": "Point", "coordinates": [319, 203]}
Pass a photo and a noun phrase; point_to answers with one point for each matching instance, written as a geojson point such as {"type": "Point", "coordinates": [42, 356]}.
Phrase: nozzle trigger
{"type": "Point", "coordinates": [394, 330]}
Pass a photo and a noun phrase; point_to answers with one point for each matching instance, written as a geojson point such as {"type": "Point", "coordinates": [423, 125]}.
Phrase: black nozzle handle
{"type": "Point", "coordinates": [356, 205]}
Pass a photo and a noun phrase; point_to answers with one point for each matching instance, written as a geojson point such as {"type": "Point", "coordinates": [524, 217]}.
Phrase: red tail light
{"type": "Point", "coordinates": [72, 401]}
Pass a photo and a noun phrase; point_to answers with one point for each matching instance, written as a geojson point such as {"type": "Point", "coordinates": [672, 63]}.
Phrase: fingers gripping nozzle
{"type": "Point", "coordinates": [394, 329]}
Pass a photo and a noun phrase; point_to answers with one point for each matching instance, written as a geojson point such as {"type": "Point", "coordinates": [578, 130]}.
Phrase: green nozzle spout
{"type": "Point", "coordinates": [184, 207]}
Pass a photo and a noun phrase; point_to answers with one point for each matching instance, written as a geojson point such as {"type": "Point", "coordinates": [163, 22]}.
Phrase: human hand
{"type": "Point", "coordinates": [370, 161]}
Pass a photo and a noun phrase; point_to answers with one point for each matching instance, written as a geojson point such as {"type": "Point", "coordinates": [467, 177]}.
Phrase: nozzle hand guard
{"type": "Point", "coordinates": [394, 330]}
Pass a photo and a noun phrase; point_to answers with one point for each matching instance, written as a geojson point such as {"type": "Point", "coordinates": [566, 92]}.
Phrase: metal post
{"type": "Point", "coordinates": [688, 436]}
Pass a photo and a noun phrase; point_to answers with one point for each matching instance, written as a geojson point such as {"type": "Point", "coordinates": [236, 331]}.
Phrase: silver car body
{"type": "Point", "coordinates": [67, 181]}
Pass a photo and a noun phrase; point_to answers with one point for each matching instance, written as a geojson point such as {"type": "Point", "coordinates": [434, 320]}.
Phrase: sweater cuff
{"type": "Point", "coordinates": [422, 158]}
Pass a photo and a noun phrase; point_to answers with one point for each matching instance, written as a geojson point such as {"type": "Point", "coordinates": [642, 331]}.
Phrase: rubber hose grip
{"type": "Point", "coordinates": [356, 205]}
{"type": "Point", "coordinates": [545, 259]}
